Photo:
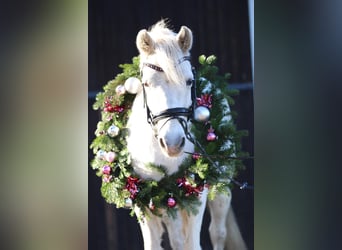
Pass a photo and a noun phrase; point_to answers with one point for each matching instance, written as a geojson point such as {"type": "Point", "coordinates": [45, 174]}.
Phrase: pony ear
{"type": "Point", "coordinates": [145, 44]}
{"type": "Point", "coordinates": [184, 38]}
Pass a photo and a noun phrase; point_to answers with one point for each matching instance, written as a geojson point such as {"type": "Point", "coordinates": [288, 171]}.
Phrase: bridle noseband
{"type": "Point", "coordinates": [172, 113]}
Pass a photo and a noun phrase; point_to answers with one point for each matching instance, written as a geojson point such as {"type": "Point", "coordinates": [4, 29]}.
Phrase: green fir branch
{"type": "Point", "coordinates": [201, 171]}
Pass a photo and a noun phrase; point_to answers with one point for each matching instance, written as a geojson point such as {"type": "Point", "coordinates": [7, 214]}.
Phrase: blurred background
{"type": "Point", "coordinates": [45, 105]}
{"type": "Point", "coordinates": [222, 28]}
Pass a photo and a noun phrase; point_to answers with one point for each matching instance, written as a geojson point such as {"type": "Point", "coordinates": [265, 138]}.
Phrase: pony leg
{"type": "Point", "coordinates": [224, 230]}
{"type": "Point", "coordinates": [174, 229]}
{"type": "Point", "coordinates": [234, 237]}
{"type": "Point", "coordinates": [184, 231]}
{"type": "Point", "coordinates": [218, 209]}
{"type": "Point", "coordinates": [194, 224]}
{"type": "Point", "coordinates": [152, 231]}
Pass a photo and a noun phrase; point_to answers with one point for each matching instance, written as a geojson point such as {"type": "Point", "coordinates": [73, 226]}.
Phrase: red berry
{"type": "Point", "coordinates": [196, 156]}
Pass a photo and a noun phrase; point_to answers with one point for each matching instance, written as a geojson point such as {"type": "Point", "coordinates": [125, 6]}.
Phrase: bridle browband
{"type": "Point", "coordinates": [152, 66]}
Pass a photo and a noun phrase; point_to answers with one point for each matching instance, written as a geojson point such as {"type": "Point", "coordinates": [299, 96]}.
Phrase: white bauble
{"type": "Point", "coordinates": [132, 85]}
{"type": "Point", "coordinates": [202, 114]}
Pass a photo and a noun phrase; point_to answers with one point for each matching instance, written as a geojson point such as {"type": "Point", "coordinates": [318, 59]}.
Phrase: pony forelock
{"type": "Point", "coordinates": [168, 51]}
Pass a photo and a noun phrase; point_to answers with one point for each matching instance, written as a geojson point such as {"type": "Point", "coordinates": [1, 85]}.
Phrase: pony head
{"type": "Point", "coordinates": [167, 78]}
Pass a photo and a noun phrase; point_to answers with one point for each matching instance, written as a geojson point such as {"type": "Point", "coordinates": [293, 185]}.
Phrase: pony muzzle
{"type": "Point", "coordinates": [171, 136]}
{"type": "Point", "coordinates": [172, 147]}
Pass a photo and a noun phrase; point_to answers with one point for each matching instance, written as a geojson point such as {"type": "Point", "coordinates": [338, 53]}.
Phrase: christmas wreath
{"type": "Point", "coordinates": [218, 136]}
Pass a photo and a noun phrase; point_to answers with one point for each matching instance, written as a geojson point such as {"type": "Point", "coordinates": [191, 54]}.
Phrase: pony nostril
{"type": "Point", "coordinates": [161, 143]}
{"type": "Point", "coordinates": [171, 147]}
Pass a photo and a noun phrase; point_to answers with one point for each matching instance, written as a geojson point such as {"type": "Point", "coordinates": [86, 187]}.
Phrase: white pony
{"type": "Point", "coordinates": [166, 76]}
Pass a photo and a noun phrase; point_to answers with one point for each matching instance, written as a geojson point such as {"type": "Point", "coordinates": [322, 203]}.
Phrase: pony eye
{"type": "Point", "coordinates": [146, 84]}
{"type": "Point", "coordinates": [189, 82]}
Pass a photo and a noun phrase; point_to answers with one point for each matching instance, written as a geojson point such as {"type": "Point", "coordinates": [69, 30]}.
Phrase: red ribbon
{"type": "Point", "coordinates": [110, 108]}
{"type": "Point", "coordinates": [118, 108]}
{"type": "Point", "coordinates": [188, 188]}
{"type": "Point", "coordinates": [132, 186]}
{"type": "Point", "coordinates": [205, 100]}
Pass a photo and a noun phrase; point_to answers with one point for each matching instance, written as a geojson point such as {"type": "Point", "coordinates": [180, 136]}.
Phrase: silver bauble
{"type": "Point", "coordinates": [113, 131]}
{"type": "Point", "coordinates": [223, 169]}
{"type": "Point", "coordinates": [101, 154]}
{"type": "Point", "coordinates": [120, 90]}
{"type": "Point", "coordinates": [202, 114]}
{"type": "Point", "coordinates": [132, 85]}
{"type": "Point", "coordinates": [128, 203]}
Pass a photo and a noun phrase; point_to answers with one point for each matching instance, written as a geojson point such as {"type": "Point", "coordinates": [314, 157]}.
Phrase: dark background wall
{"type": "Point", "coordinates": [220, 28]}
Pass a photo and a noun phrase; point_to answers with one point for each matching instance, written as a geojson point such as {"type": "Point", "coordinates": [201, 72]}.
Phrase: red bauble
{"type": "Point", "coordinates": [171, 202]}
{"type": "Point", "coordinates": [106, 169]}
{"type": "Point", "coordinates": [211, 135]}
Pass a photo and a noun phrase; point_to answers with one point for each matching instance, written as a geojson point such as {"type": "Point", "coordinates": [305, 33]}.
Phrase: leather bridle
{"type": "Point", "coordinates": [177, 113]}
